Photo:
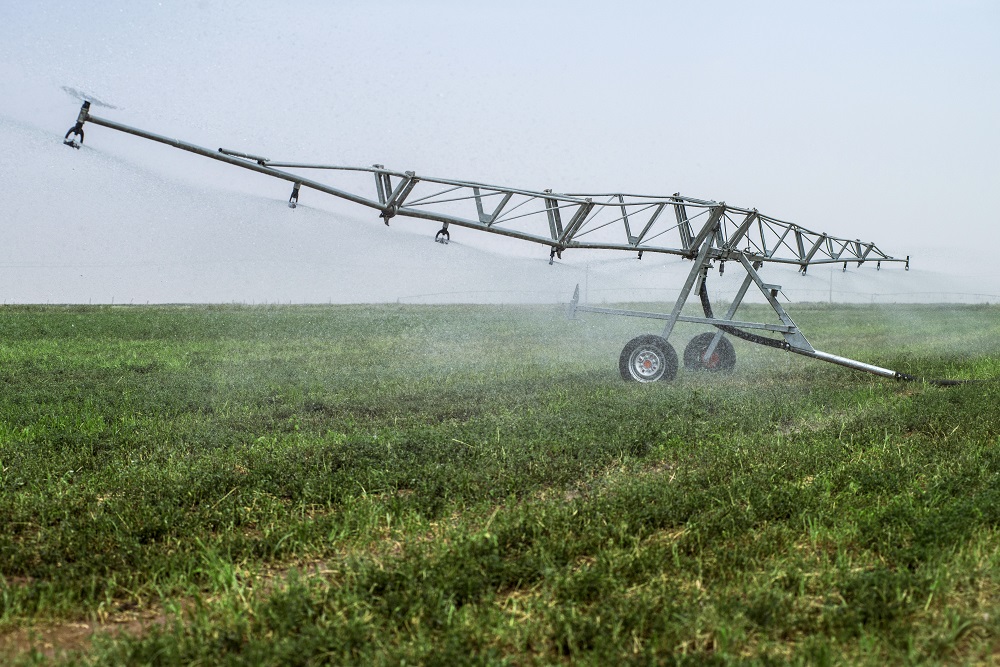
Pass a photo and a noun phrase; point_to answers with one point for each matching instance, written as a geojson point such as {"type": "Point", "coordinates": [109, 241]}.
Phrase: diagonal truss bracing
{"type": "Point", "coordinates": [701, 230]}
{"type": "Point", "coordinates": [613, 221]}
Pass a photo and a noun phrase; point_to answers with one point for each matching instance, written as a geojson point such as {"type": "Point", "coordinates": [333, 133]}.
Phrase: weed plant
{"type": "Point", "coordinates": [476, 485]}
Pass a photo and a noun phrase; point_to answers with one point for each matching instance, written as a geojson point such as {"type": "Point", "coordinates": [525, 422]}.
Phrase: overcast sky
{"type": "Point", "coordinates": [868, 119]}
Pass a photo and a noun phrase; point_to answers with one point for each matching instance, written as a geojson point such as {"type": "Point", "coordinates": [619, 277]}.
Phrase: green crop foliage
{"type": "Point", "coordinates": [395, 484]}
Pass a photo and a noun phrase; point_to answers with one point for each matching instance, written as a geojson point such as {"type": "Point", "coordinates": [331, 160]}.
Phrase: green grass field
{"type": "Point", "coordinates": [476, 485]}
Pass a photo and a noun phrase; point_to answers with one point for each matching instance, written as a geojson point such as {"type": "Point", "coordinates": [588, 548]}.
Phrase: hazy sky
{"type": "Point", "coordinates": [868, 119]}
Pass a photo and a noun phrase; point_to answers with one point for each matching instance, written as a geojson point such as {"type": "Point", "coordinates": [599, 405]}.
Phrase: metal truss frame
{"type": "Point", "coordinates": [703, 231]}
{"type": "Point", "coordinates": [793, 338]}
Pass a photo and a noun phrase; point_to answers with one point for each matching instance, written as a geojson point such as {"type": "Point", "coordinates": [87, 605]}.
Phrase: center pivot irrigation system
{"type": "Point", "coordinates": [709, 233]}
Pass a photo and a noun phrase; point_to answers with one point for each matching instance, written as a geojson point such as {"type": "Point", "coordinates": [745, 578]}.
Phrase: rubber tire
{"type": "Point", "coordinates": [659, 357]}
{"type": "Point", "coordinates": [723, 359]}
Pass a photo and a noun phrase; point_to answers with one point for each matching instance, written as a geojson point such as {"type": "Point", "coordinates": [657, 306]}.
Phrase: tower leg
{"type": "Point", "coordinates": [700, 265]}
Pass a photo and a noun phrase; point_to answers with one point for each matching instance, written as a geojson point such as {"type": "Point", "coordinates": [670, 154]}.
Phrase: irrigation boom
{"type": "Point", "coordinates": [706, 232]}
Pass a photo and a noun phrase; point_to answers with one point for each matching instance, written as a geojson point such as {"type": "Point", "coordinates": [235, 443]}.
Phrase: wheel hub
{"type": "Point", "coordinates": [647, 363]}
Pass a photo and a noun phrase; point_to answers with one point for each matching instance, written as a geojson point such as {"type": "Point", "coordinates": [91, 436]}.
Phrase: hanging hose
{"type": "Point", "coordinates": [906, 377]}
{"type": "Point", "coordinates": [733, 331]}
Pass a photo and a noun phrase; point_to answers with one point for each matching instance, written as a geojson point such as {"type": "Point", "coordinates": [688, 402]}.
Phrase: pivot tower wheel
{"type": "Point", "coordinates": [648, 358]}
{"type": "Point", "coordinates": [722, 359]}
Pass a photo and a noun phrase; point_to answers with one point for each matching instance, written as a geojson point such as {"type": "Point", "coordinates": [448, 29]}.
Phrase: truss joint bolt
{"type": "Point", "coordinates": [388, 213]}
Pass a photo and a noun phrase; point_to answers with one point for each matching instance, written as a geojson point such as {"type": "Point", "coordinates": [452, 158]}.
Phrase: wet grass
{"type": "Point", "coordinates": [461, 484]}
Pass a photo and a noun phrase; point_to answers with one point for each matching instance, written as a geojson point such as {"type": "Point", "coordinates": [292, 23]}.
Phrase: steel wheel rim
{"type": "Point", "coordinates": [646, 365]}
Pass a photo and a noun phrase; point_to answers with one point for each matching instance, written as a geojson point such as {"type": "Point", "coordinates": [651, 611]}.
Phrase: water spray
{"type": "Point", "coordinates": [702, 231]}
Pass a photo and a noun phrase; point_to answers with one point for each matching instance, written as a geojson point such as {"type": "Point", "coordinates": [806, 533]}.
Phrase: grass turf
{"type": "Point", "coordinates": [442, 484]}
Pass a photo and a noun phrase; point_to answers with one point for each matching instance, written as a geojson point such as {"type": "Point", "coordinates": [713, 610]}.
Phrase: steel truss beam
{"type": "Point", "coordinates": [559, 221]}
{"type": "Point", "coordinates": [704, 231]}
